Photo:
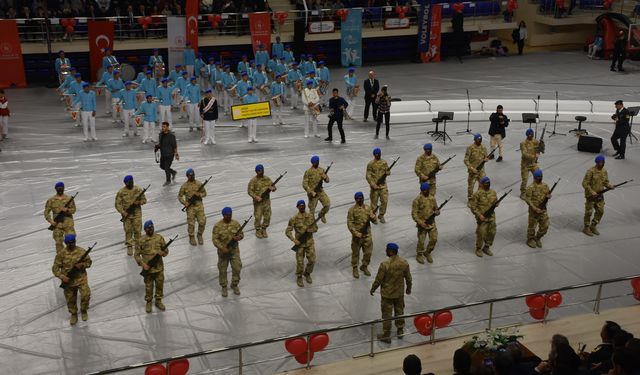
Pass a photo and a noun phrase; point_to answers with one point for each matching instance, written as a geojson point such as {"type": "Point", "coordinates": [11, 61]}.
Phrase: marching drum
{"type": "Point", "coordinates": [298, 85]}
{"type": "Point", "coordinates": [158, 70]}
{"type": "Point", "coordinates": [67, 99]}
{"type": "Point", "coordinates": [139, 96]}
{"type": "Point", "coordinates": [232, 91]}
{"type": "Point", "coordinates": [100, 90]}
{"type": "Point", "coordinates": [74, 115]}
{"type": "Point", "coordinates": [265, 90]}
{"type": "Point", "coordinates": [355, 91]}
{"type": "Point", "coordinates": [322, 87]}
{"type": "Point", "coordinates": [127, 72]}
{"type": "Point", "coordinates": [219, 86]}
{"type": "Point", "coordinates": [64, 72]}
{"type": "Point", "coordinates": [137, 120]}
{"type": "Point", "coordinates": [277, 100]}
{"type": "Point", "coordinates": [118, 108]}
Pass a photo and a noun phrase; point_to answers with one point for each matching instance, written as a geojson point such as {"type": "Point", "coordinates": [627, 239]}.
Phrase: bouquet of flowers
{"type": "Point", "coordinates": [493, 340]}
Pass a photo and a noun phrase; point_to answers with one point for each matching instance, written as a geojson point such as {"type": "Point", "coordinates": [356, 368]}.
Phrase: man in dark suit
{"type": "Point", "coordinates": [622, 130]}
{"type": "Point", "coordinates": [599, 360]}
{"type": "Point", "coordinates": [371, 88]}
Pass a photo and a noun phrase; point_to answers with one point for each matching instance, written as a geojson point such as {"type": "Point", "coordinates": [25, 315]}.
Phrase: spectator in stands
{"type": "Point", "coordinates": [624, 362]}
{"type": "Point", "coordinates": [522, 36]}
{"type": "Point", "coordinates": [11, 13]}
{"type": "Point", "coordinates": [595, 46]}
{"type": "Point", "coordinates": [502, 364]}
{"type": "Point", "coordinates": [461, 362]}
{"type": "Point", "coordinates": [412, 365]}
{"type": "Point", "coordinates": [598, 362]}
{"type": "Point", "coordinates": [560, 9]}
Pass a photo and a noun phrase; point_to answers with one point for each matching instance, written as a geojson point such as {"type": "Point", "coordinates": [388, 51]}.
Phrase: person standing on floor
{"type": "Point", "coordinates": [225, 236]}
{"type": "Point", "coordinates": [522, 36]}
{"type": "Point", "coordinates": [383, 101]}
{"type": "Point", "coordinates": [87, 101]}
{"type": "Point", "coordinates": [497, 130]}
{"type": "Point", "coordinates": [619, 51]}
{"type": "Point", "coordinates": [359, 219]}
{"type": "Point", "coordinates": [168, 147]}
{"type": "Point", "coordinates": [252, 124]}
{"type": "Point", "coordinates": [311, 101]}
{"type": "Point", "coordinates": [149, 247]}
{"type": "Point", "coordinates": [371, 88]}
{"type": "Point", "coordinates": [4, 116]}
{"type": "Point", "coordinates": [277, 98]}
{"type": "Point", "coordinates": [209, 115]}
{"type": "Point", "coordinates": [129, 202]}
{"type": "Point", "coordinates": [65, 261]}
{"type": "Point", "coordinates": [192, 96]}
{"type": "Point", "coordinates": [128, 104]}
{"type": "Point", "coordinates": [619, 137]}
{"type": "Point", "coordinates": [595, 180]}
{"type": "Point", "coordinates": [337, 105]}
{"type": "Point", "coordinates": [190, 196]}
{"type": "Point", "coordinates": [164, 93]}
{"type": "Point", "coordinates": [56, 205]}
{"type": "Point", "coordinates": [150, 110]}
{"type": "Point", "coordinates": [303, 222]}
{"type": "Point", "coordinates": [352, 88]}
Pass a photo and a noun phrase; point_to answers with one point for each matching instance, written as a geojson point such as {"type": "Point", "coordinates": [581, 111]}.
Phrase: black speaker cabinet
{"type": "Point", "coordinates": [589, 143]}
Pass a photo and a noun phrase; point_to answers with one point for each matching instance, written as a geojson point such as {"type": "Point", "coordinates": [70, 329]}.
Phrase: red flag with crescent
{"type": "Point", "coordinates": [100, 38]}
{"type": "Point", "coordinates": [12, 72]}
{"type": "Point", "coordinates": [191, 12]}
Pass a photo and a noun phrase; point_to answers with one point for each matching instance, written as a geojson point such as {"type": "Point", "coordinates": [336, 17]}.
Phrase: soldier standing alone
{"type": "Point", "coordinates": [195, 210]}
{"type": "Point", "coordinates": [423, 207]}
{"type": "Point", "coordinates": [475, 155]}
{"type": "Point", "coordinates": [303, 222]}
{"type": "Point", "coordinates": [359, 221]}
{"type": "Point", "coordinates": [594, 181]}
{"type": "Point", "coordinates": [53, 207]}
{"type": "Point", "coordinates": [129, 197]}
{"type": "Point", "coordinates": [150, 245]}
{"type": "Point", "coordinates": [391, 277]}
{"type": "Point", "coordinates": [480, 202]}
{"type": "Point", "coordinates": [64, 262]}
{"type": "Point", "coordinates": [377, 172]}
{"type": "Point", "coordinates": [536, 193]}
{"type": "Point", "coordinates": [428, 164]}
{"type": "Point", "coordinates": [228, 231]}
{"type": "Point", "coordinates": [261, 203]}
{"type": "Point", "coordinates": [312, 184]}
{"type": "Point", "coordinates": [530, 153]}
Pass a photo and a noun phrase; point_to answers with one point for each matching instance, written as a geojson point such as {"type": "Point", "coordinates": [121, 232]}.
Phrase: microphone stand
{"type": "Point", "coordinates": [555, 120]}
{"type": "Point", "coordinates": [468, 116]}
{"type": "Point", "coordinates": [535, 135]}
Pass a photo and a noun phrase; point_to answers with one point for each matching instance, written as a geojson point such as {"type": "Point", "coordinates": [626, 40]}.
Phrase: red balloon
{"type": "Point", "coordinates": [296, 346]}
{"type": "Point", "coordinates": [148, 20]}
{"type": "Point", "coordinates": [458, 7]}
{"type": "Point", "coordinates": [318, 342]}
{"type": "Point", "coordinates": [69, 29]}
{"type": "Point", "coordinates": [635, 283]}
{"type": "Point", "coordinates": [443, 318]}
{"type": "Point", "coordinates": [178, 367]}
{"type": "Point", "coordinates": [64, 22]}
{"type": "Point", "coordinates": [554, 300]}
{"type": "Point", "coordinates": [155, 369]}
{"type": "Point", "coordinates": [636, 294]}
{"type": "Point", "coordinates": [145, 26]}
{"type": "Point", "coordinates": [72, 21]}
{"type": "Point", "coordinates": [302, 358]}
{"type": "Point", "coordinates": [537, 314]}
{"type": "Point", "coordinates": [423, 323]}
{"type": "Point", "coordinates": [141, 20]}
{"type": "Point", "coordinates": [425, 332]}
{"type": "Point", "coordinates": [535, 302]}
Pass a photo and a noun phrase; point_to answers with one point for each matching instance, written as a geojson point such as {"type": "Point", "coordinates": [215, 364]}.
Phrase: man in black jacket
{"type": "Point", "coordinates": [168, 147]}
{"type": "Point", "coordinates": [209, 115]}
{"type": "Point", "coordinates": [621, 117]}
{"type": "Point", "coordinates": [619, 51]}
{"type": "Point", "coordinates": [337, 105]}
{"type": "Point", "coordinates": [497, 130]}
{"type": "Point", "coordinates": [371, 88]}
{"type": "Point", "coordinates": [599, 360]}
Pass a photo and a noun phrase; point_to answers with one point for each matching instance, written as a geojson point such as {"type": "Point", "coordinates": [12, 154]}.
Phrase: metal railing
{"type": "Point", "coordinates": [584, 7]}
{"type": "Point", "coordinates": [371, 324]}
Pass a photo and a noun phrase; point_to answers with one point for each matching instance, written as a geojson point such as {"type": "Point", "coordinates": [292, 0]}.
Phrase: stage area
{"type": "Point", "coordinates": [44, 147]}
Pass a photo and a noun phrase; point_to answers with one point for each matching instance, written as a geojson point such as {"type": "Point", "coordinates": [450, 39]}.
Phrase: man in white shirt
{"type": "Point", "coordinates": [311, 101]}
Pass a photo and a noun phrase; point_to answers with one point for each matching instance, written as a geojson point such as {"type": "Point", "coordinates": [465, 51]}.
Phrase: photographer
{"type": "Point", "coordinates": [497, 130]}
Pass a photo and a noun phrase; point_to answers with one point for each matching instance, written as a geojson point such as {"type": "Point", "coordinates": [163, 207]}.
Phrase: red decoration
{"type": "Point", "coordinates": [554, 300]}
{"type": "Point", "coordinates": [64, 22]}
{"type": "Point", "coordinates": [536, 301]}
{"type": "Point", "coordinates": [318, 342]}
{"type": "Point", "coordinates": [635, 283]}
{"type": "Point", "coordinates": [178, 367]}
{"type": "Point", "coordinates": [443, 318]}
{"type": "Point", "coordinates": [512, 5]}
{"type": "Point", "coordinates": [69, 29]}
{"type": "Point", "coordinates": [636, 294]}
{"type": "Point", "coordinates": [537, 314]}
{"type": "Point", "coordinates": [458, 7]}
{"type": "Point", "coordinates": [156, 369]}
{"type": "Point", "coordinates": [281, 17]}
{"type": "Point", "coordinates": [72, 21]}
{"type": "Point", "coordinates": [214, 20]}
{"type": "Point", "coordinates": [423, 324]}
{"type": "Point", "coordinates": [342, 13]}
{"type": "Point", "coordinates": [302, 358]}
{"type": "Point", "coordinates": [296, 346]}
{"type": "Point", "coordinates": [402, 11]}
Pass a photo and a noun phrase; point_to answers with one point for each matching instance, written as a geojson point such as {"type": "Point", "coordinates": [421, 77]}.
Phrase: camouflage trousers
{"type": "Point", "coordinates": [524, 175]}
{"type": "Point", "coordinates": [58, 234]}
{"type": "Point", "coordinates": [381, 195]}
{"type": "Point", "coordinates": [391, 307]}
{"type": "Point", "coordinates": [233, 258]}
{"type": "Point", "coordinates": [422, 235]}
{"type": "Point", "coordinates": [537, 220]}
{"type": "Point", "coordinates": [366, 244]}
{"type": "Point", "coordinates": [324, 200]}
{"type": "Point", "coordinates": [154, 279]}
{"type": "Point", "coordinates": [308, 251]}
{"type": "Point", "coordinates": [485, 233]}
{"type": "Point", "coordinates": [196, 213]}
{"type": "Point", "coordinates": [71, 296]}
{"type": "Point", "coordinates": [262, 214]}
{"type": "Point", "coordinates": [471, 182]}
{"type": "Point", "coordinates": [589, 207]}
{"type": "Point", "coordinates": [132, 229]}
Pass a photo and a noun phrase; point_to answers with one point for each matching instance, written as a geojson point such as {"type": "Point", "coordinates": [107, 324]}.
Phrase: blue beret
{"type": "Point", "coordinates": [315, 159]}
{"type": "Point", "coordinates": [537, 173]}
{"type": "Point", "coordinates": [128, 178]}
{"type": "Point", "coordinates": [73, 69]}
{"type": "Point", "coordinates": [227, 66]}
{"type": "Point", "coordinates": [260, 65]}
{"type": "Point", "coordinates": [309, 82]}
{"type": "Point", "coordinates": [320, 62]}
{"type": "Point", "coordinates": [227, 211]}
{"type": "Point", "coordinates": [358, 195]}
{"type": "Point", "coordinates": [393, 246]}
{"type": "Point", "coordinates": [243, 74]}
{"type": "Point", "coordinates": [116, 71]}
{"type": "Point", "coordinates": [485, 180]}
{"type": "Point", "coordinates": [178, 66]}
{"type": "Point", "coordinates": [251, 62]}
{"type": "Point", "coordinates": [424, 186]}
{"type": "Point", "coordinates": [351, 70]}
{"type": "Point", "coordinates": [218, 62]}
{"type": "Point", "coordinates": [77, 75]}
{"type": "Point", "coordinates": [69, 237]}
{"type": "Point", "coordinates": [282, 58]}
{"type": "Point", "coordinates": [303, 55]}
{"type": "Point", "coordinates": [377, 151]}
{"type": "Point", "coordinates": [149, 71]}
{"type": "Point", "coordinates": [128, 83]}
{"type": "Point", "coordinates": [107, 49]}
{"type": "Point", "coordinates": [250, 88]}
{"type": "Point", "coordinates": [212, 58]}
{"type": "Point", "coordinates": [294, 63]}
{"type": "Point", "coordinates": [148, 224]}
{"type": "Point", "coordinates": [193, 78]}
{"type": "Point", "coordinates": [59, 184]}
{"type": "Point", "coordinates": [312, 72]}
{"type": "Point", "coordinates": [600, 159]}
{"type": "Point", "coordinates": [529, 132]}
{"type": "Point", "coordinates": [259, 167]}
{"type": "Point", "coordinates": [165, 80]}
{"type": "Point", "coordinates": [184, 72]}
{"type": "Point", "coordinates": [190, 171]}
{"type": "Point", "coordinates": [477, 136]}
{"type": "Point", "coordinates": [287, 46]}
{"type": "Point", "coordinates": [149, 95]}
{"type": "Point", "coordinates": [427, 146]}
{"type": "Point", "coordinates": [85, 85]}
{"type": "Point", "coordinates": [300, 202]}
{"type": "Point", "coordinates": [309, 55]}
{"type": "Point", "coordinates": [244, 56]}
{"type": "Point", "coordinates": [207, 91]}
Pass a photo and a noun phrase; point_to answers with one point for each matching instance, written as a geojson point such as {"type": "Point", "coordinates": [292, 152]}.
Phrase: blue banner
{"type": "Point", "coordinates": [351, 38]}
{"type": "Point", "coordinates": [424, 26]}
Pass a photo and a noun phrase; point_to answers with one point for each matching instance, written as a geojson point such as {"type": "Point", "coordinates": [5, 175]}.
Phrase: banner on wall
{"type": "Point", "coordinates": [435, 34]}
{"type": "Point", "coordinates": [351, 39]}
{"type": "Point", "coordinates": [100, 38]}
{"type": "Point", "coordinates": [12, 72]}
{"type": "Point", "coordinates": [191, 13]}
{"type": "Point", "coordinates": [176, 31]}
{"type": "Point", "coordinates": [260, 27]}
{"type": "Point", "coordinates": [424, 28]}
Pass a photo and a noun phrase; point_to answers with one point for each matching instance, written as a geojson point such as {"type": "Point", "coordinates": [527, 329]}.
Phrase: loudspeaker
{"type": "Point", "coordinates": [589, 143]}
{"type": "Point", "coordinates": [299, 31]}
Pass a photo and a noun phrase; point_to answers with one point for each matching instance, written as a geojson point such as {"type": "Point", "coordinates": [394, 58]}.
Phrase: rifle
{"type": "Point", "coordinates": [265, 194]}
{"type": "Point", "coordinates": [303, 237]}
{"type": "Point", "coordinates": [60, 216]}
{"type": "Point", "coordinates": [488, 213]}
{"type": "Point", "coordinates": [543, 205]}
{"type": "Point", "coordinates": [433, 173]}
{"type": "Point", "coordinates": [383, 178]}
{"type": "Point", "coordinates": [319, 185]}
{"type": "Point", "coordinates": [132, 206]}
{"type": "Point", "coordinates": [232, 244]}
{"type": "Point", "coordinates": [365, 228]}
{"type": "Point", "coordinates": [601, 192]}
{"type": "Point", "coordinates": [192, 199]}
{"type": "Point", "coordinates": [481, 165]}
{"type": "Point", "coordinates": [73, 272]}
{"type": "Point", "coordinates": [541, 145]}
{"type": "Point", "coordinates": [156, 258]}
{"type": "Point", "coordinates": [432, 217]}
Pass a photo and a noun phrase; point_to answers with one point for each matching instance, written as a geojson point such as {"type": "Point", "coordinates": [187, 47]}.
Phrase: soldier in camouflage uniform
{"type": "Point", "coordinates": [64, 262]}
{"type": "Point", "coordinates": [476, 153]}
{"type": "Point", "coordinates": [594, 181]}
{"type": "Point", "coordinates": [224, 232]}
{"type": "Point", "coordinates": [530, 153]}
{"type": "Point", "coordinates": [261, 205]}
{"type": "Point", "coordinates": [300, 223]}
{"type": "Point", "coordinates": [55, 205]}
{"type": "Point", "coordinates": [377, 169]}
{"type": "Point", "coordinates": [132, 223]}
{"type": "Point", "coordinates": [195, 211]}
{"type": "Point", "coordinates": [359, 221]}
{"type": "Point", "coordinates": [392, 275]}
{"type": "Point", "coordinates": [422, 208]}
{"type": "Point", "coordinates": [534, 196]}
{"type": "Point", "coordinates": [479, 203]}
{"type": "Point", "coordinates": [148, 247]}
{"type": "Point", "coordinates": [426, 164]}
{"type": "Point", "coordinates": [312, 177]}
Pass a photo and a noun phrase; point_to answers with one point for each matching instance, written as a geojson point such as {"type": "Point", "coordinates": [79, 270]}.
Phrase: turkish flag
{"type": "Point", "coordinates": [12, 72]}
{"type": "Point", "coordinates": [100, 38]}
{"type": "Point", "coordinates": [191, 12]}
{"type": "Point", "coordinates": [260, 27]}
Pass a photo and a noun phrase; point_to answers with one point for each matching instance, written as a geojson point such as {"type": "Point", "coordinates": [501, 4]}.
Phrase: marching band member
{"type": "Point", "coordinates": [251, 98]}
{"type": "Point", "coordinates": [216, 83]}
{"type": "Point", "coordinates": [155, 59]}
{"type": "Point", "coordinates": [141, 76]}
{"type": "Point", "coordinates": [243, 65]}
{"type": "Point", "coordinates": [192, 95]}
{"type": "Point", "coordinates": [252, 68]}
{"type": "Point", "coordinates": [311, 101]}
{"type": "Point", "coordinates": [325, 77]}
{"type": "Point", "coordinates": [74, 90]}
{"type": "Point", "coordinates": [262, 56]}
{"type": "Point", "coordinates": [228, 82]}
{"type": "Point", "coordinates": [109, 60]}
{"type": "Point", "coordinates": [148, 85]}
{"type": "Point", "coordinates": [180, 88]}
{"type": "Point", "coordinates": [277, 97]}
{"type": "Point", "coordinates": [209, 115]}
{"type": "Point", "coordinates": [106, 77]}
{"type": "Point", "coordinates": [302, 65]}
{"type": "Point", "coordinates": [62, 66]}
{"type": "Point", "coordinates": [164, 94]}
{"type": "Point", "coordinates": [64, 86]}
{"type": "Point", "coordinates": [277, 49]}
{"type": "Point", "coordinates": [281, 67]}
{"type": "Point", "coordinates": [114, 85]}
{"type": "Point", "coordinates": [242, 89]}
{"type": "Point", "coordinates": [295, 79]}
{"type": "Point", "coordinates": [150, 109]}
{"type": "Point", "coordinates": [310, 64]}
{"type": "Point", "coordinates": [261, 83]}
{"type": "Point", "coordinates": [189, 58]}
{"type": "Point", "coordinates": [200, 67]}
{"type": "Point", "coordinates": [87, 103]}
{"type": "Point", "coordinates": [312, 76]}
{"type": "Point", "coordinates": [175, 73]}
{"type": "Point", "coordinates": [271, 67]}
{"type": "Point", "coordinates": [128, 103]}
{"type": "Point", "coordinates": [288, 55]}
{"type": "Point", "coordinates": [351, 82]}
{"type": "Point", "coordinates": [4, 116]}
{"type": "Point", "coordinates": [209, 70]}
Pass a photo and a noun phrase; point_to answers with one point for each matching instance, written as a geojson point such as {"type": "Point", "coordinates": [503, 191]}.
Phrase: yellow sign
{"type": "Point", "coordinates": [247, 111]}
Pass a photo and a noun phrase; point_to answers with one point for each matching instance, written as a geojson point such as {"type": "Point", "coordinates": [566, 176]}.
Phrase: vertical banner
{"type": "Point", "coordinates": [260, 26]}
{"type": "Point", "coordinates": [191, 12]}
{"type": "Point", "coordinates": [100, 38]}
{"type": "Point", "coordinates": [424, 29]}
{"type": "Point", "coordinates": [435, 33]}
{"type": "Point", "coordinates": [176, 37]}
{"type": "Point", "coordinates": [12, 72]}
{"type": "Point", "coordinates": [351, 38]}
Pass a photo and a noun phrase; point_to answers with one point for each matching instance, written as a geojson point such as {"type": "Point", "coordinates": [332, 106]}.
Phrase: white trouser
{"type": "Point", "coordinates": [149, 131]}
{"type": "Point", "coordinates": [310, 119]}
{"type": "Point", "coordinates": [107, 101]}
{"type": "Point", "coordinates": [190, 70]}
{"type": "Point", "coordinates": [277, 113]}
{"type": "Point", "coordinates": [193, 113]}
{"type": "Point", "coordinates": [4, 125]}
{"type": "Point", "coordinates": [227, 101]}
{"type": "Point", "coordinates": [88, 125]}
{"type": "Point", "coordinates": [204, 83]}
{"type": "Point", "coordinates": [175, 99]}
{"type": "Point", "coordinates": [352, 105]}
{"type": "Point", "coordinates": [127, 116]}
{"type": "Point", "coordinates": [294, 97]}
{"type": "Point", "coordinates": [165, 114]}
{"type": "Point", "coordinates": [209, 132]}
{"type": "Point", "coordinates": [253, 124]}
{"type": "Point", "coordinates": [114, 114]}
